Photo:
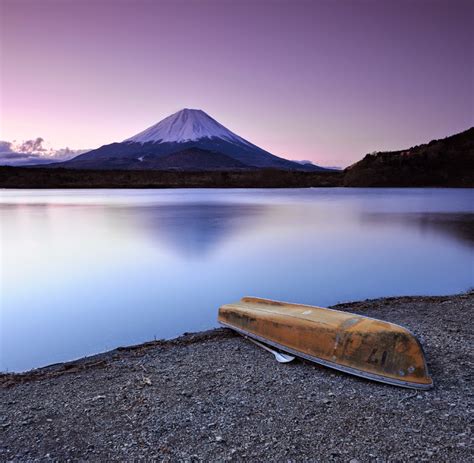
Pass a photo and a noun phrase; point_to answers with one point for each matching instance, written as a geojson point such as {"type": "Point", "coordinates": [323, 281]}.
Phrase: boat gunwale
{"type": "Point", "coordinates": [235, 304]}
{"type": "Point", "coordinates": [336, 366]}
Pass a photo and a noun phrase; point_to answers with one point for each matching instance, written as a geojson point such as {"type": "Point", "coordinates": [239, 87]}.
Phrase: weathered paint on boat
{"type": "Point", "coordinates": [355, 344]}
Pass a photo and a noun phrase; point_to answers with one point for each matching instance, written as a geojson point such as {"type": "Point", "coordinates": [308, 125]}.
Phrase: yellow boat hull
{"type": "Point", "coordinates": [355, 344]}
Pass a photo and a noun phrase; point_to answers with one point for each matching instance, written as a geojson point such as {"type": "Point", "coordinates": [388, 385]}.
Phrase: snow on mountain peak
{"type": "Point", "coordinates": [186, 125]}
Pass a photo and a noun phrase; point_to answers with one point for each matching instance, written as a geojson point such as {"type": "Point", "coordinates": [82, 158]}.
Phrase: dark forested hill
{"type": "Point", "coordinates": [447, 162]}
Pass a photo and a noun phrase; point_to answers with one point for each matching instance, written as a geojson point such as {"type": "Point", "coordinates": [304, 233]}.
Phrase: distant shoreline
{"type": "Point", "coordinates": [41, 177]}
{"type": "Point", "coordinates": [48, 178]}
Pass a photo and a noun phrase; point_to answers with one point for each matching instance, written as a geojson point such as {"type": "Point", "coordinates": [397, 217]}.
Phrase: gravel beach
{"type": "Point", "coordinates": [216, 396]}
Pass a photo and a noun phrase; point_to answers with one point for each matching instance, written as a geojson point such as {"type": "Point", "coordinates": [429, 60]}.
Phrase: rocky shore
{"type": "Point", "coordinates": [215, 396]}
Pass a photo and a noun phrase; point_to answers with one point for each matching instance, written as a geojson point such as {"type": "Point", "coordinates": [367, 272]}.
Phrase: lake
{"type": "Point", "coordinates": [83, 271]}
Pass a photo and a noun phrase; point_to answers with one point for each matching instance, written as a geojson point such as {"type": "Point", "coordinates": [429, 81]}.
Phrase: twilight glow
{"type": "Point", "coordinates": [321, 80]}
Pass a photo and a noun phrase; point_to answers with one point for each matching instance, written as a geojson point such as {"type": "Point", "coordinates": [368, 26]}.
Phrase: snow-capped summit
{"type": "Point", "coordinates": [183, 126]}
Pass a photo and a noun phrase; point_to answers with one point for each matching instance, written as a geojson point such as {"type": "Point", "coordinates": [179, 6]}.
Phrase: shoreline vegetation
{"type": "Point", "coordinates": [32, 177]}
{"type": "Point", "coordinates": [363, 177]}
{"type": "Point", "coordinates": [215, 396]}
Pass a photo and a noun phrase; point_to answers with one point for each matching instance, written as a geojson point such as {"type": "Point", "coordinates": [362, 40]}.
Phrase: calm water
{"type": "Point", "coordinates": [88, 270]}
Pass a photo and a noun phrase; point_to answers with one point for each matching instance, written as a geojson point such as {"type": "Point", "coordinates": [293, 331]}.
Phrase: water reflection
{"type": "Point", "coordinates": [459, 226]}
{"type": "Point", "coordinates": [191, 230]}
{"type": "Point", "coordinates": [84, 271]}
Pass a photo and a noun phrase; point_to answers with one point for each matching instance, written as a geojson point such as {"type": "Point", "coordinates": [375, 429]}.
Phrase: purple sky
{"type": "Point", "coordinates": [322, 80]}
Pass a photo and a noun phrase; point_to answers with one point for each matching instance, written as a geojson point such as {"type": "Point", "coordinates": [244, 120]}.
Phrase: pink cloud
{"type": "Point", "coordinates": [34, 151]}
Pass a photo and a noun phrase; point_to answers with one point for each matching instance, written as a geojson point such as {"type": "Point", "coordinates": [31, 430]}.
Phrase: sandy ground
{"type": "Point", "coordinates": [215, 396]}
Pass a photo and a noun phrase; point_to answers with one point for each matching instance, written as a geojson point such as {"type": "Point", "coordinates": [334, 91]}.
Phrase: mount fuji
{"type": "Point", "coordinates": [187, 140]}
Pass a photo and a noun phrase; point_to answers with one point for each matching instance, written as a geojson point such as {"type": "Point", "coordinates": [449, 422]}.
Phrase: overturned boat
{"type": "Point", "coordinates": [355, 344]}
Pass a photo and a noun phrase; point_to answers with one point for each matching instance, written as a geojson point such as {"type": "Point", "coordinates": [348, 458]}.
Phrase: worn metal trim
{"type": "Point", "coordinates": [335, 366]}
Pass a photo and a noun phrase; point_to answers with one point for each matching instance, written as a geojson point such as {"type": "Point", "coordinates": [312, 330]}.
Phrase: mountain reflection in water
{"type": "Point", "coordinates": [192, 230]}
